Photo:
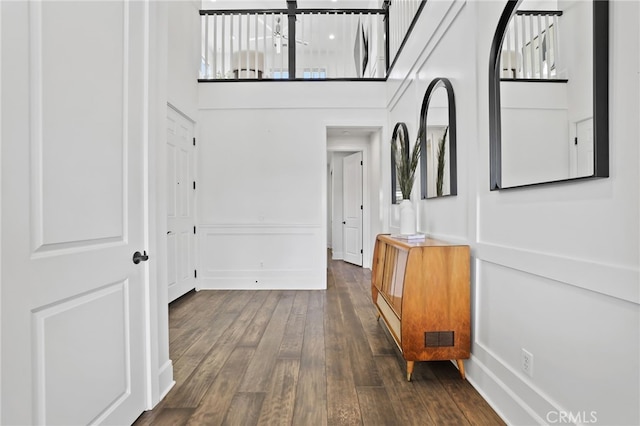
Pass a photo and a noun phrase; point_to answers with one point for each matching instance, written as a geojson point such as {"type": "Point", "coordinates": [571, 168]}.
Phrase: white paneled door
{"type": "Point", "coordinates": [73, 143]}
{"type": "Point", "coordinates": [180, 204]}
{"type": "Point", "coordinates": [352, 205]}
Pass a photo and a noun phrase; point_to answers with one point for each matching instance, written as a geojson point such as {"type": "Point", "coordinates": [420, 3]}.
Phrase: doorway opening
{"type": "Point", "coordinates": [353, 170]}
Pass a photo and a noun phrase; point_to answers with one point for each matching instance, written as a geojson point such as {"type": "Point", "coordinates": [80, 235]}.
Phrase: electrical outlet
{"type": "Point", "coordinates": [527, 362]}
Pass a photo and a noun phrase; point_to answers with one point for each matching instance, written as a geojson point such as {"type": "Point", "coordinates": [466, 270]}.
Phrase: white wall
{"type": "Point", "coordinates": [174, 56]}
{"type": "Point", "coordinates": [555, 267]}
{"type": "Point", "coordinates": [447, 53]}
{"type": "Point", "coordinates": [183, 61]}
{"type": "Point", "coordinates": [263, 167]}
{"type": "Point", "coordinates": [534, 131]}
{"type": "Point", "coordinates": [376, 207]}
{"type": "Point", "coordinates": [401, 110]}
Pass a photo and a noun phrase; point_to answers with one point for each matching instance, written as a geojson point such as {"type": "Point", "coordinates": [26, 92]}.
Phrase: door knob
{"type": "Point", "coordinates": [137, 257]}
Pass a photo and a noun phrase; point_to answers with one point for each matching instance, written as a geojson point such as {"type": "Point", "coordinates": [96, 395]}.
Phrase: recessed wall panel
{"type": "Point", "coordinates": [518, 310]}
{"type": "Point", "coordinates": [82, 349]}
{"type": "Point", "coordinates": [261, 247]}
{"type": "Point", "coordinates": [79, 152]}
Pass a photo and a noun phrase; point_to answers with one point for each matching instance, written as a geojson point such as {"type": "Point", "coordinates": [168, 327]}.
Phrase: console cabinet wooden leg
{"type": "Point", "coordinates": [410, 365]}
{"type": "Point", "coordinates": [460, 368]}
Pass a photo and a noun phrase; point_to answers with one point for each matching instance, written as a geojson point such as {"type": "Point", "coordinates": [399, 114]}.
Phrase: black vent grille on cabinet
{"type": "Point", "coordinates": [438, 338]}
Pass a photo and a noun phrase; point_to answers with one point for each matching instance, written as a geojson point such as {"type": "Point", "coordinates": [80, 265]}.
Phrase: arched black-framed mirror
{"type": "Point", "coordinates": [401, 133]}
{"type": "Point", "coordinates": [438, 169]}
{"type": "Point", "coordinates": [549, 93]}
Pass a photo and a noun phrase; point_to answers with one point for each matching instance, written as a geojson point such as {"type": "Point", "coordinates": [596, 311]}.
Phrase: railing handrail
{"type": "Point", "coordinates": [297, 12]}
{"type": "Point", "coordinates": [539, 12]}
{"type": "Point", "coordinates": [243, 12]}
{"type": "Point", "coordinates": [406, 36]}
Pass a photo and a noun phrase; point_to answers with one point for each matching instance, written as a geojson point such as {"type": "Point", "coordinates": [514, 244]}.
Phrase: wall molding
{"type": "Point", "coordinates": [291, 108]}
{"type": "Point", "coordinates": [258, 228]}
{"type": "Point", "coordinates": [249, 272]}
{"type": "Point", "coordinates": [440, 22]}
{"type": "Point", "coordinates": [611, 280]}
{"type": "Point", "coordinates": [337, 255]}
{"type": "Point", "coordinates": [180, 112]}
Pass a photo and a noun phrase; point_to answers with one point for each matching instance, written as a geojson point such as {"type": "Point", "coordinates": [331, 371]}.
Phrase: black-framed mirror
{"type": "Point", "coordinates": [401, 133]}
{"type": "Point", "coordinates": [549, 93]}
{"type": "Point", "coordinates": [438, 169]}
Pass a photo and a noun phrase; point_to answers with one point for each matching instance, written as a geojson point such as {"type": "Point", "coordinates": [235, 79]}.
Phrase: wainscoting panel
{"type": "Point", "coordinates": [517, 309]}
{"type": "Point", "coordinates": [261, 257]}
{"type": "Point", "coordinates": [610, 280]}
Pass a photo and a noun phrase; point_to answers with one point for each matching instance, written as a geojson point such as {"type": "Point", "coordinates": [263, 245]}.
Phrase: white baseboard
{"type": "Point", "coordinates": [502, 400]}
{"type": "Point", "coordinates": [165, 380]}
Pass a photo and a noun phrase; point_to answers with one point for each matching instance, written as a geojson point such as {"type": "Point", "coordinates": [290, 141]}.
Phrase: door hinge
{"type": "Point", "coordinates": [195, 273]}
{"type": "Point", "coordinates": [194, 184]}
{"type": "Point", "coordinates": [361, 163]}
{"type": "Point", "coordinates": [194, 141]}
{"type": "Point", "coordinates": [360, 206]}
{"type": "Point", "coordinates": [575, 140]}
{"type": "Point", "coordinates": [360, 251]}
{"type": "Point", "coordinates": [194, 229]}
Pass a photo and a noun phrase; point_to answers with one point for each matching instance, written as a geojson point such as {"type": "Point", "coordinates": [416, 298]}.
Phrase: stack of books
{"type": "Point", "coordinates": [410, 237]}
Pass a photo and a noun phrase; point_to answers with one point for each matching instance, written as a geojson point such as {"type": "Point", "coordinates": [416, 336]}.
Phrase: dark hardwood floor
{"type": "Point", "coordinates": [303, 358]}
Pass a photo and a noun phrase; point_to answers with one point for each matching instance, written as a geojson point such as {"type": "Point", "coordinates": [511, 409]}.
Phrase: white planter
{"type": "Point", "coordinates": [407, 218]}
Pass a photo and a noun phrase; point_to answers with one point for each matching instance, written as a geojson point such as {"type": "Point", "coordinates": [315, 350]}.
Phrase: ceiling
{"type": "Point", "coordinates": [350, 132]}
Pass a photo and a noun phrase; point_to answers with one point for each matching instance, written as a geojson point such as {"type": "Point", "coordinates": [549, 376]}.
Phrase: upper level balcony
{"type": "Point", "coordinates": [304, 43]}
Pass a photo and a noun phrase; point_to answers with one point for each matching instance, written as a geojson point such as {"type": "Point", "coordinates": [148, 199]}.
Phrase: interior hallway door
{"type": "Point", "coordinates": [352, 205]}
{"type": "Point", "coordinates": [180, 204]}
{"type": "Point", "coordinates": [73, 193]}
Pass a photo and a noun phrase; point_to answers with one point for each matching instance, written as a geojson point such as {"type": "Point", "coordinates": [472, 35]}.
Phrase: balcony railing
{"type": "Point", "coordinates": [402, 17]}
{"type": "Point", "coordinates": [309, 44]}
{"type": "Point", "coordinates": [530, 48]}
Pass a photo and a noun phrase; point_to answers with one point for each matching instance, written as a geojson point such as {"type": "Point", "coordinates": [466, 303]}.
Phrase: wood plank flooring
{"type": "Point", "coordinates": [303, 358]}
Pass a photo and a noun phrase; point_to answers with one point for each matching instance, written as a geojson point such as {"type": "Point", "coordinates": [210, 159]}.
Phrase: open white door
{"type": "Point", "coordinates": [352, 205]}
{"type": "Point", "coordinates": [180, 205]}
{"type": "Point", "coordinates": [73, 143]}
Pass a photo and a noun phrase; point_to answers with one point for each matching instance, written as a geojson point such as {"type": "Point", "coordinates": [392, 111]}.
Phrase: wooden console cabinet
{"type": "Point", "coordinates": [422, 292]}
